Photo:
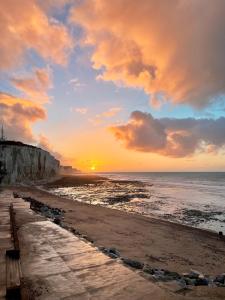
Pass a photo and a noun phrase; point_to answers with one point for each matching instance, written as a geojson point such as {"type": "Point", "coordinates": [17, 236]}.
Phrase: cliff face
{"type": "Point", "coordinates": [24, 163]}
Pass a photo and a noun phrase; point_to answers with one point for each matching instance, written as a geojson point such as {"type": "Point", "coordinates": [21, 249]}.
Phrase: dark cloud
{"type": "Point", "coordinates": [171, 137]}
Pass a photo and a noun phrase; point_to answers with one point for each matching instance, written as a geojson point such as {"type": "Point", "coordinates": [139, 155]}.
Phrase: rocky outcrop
{"type": "Point", "coordinates": [25, 163]}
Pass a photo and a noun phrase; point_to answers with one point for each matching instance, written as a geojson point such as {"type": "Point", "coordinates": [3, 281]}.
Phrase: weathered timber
{"type": "Point", "coordinates": [13, 275]}
{"type": "Point", "coordinates": [13, 269]}
{"type": "Point", "coordinates": [14, 232]}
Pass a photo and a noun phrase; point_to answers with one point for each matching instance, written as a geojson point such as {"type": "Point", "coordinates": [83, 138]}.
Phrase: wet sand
{"type": "Point", "coordinates": [159, 243]}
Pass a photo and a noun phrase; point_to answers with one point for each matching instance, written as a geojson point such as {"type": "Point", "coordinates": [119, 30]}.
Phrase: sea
{"type": "Point", "coordinates": [195, 199]}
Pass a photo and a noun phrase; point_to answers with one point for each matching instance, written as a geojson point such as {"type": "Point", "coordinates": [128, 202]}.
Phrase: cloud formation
{"type": "Point", "coordinates": [99, 118]}
{"type": "Point", "coordinates": [18, 115]}
{"type": "Point", "coordinates": [80, 110]}
{"type": "Point", "coordinates": [172, 49]}
{"type": "Point", "coordinates": [171, 137]}
{"type": "Point", "coordinates": [36, 86]}
{"type": "Point", "coordinates": [75, 82]}
{"type": "Point", "coordinates": [24, 26]}
{"type": "Point", "coordinates": [111, 112]}
{"type": "Point", "coordinates": [28, 32]}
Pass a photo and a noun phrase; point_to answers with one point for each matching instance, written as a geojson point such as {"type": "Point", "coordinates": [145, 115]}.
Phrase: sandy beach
{"type": "Point", "coordinates": [159, 243]}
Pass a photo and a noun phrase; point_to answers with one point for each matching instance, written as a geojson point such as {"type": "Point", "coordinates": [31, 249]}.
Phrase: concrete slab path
{"type": "Point", "coordinates": [58, 265]}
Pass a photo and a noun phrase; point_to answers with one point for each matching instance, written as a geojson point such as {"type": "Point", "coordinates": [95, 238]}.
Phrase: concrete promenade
{"type": "Point", "coordinates": [58, 265]}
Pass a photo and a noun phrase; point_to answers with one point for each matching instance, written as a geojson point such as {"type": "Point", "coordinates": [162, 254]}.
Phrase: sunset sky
{"type": "Point", "coordinates": [120, 85]}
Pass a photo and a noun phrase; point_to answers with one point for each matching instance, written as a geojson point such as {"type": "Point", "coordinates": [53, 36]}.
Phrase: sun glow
{"type": "Point", "coordinates": [93, 168]}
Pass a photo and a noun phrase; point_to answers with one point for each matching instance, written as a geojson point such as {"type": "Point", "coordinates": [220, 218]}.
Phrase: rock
{"type": "Point", "coordinates": [118, 199]}
{"type": "Point", "coordinates": [114, 251]}
{"type": "Point", "coordinates": [75, 231]}
{"type": "Point", "coordinates": [148, 269]}
{"type": "Point", "coordinates": [159, 277]}
{"type": "Point", "coordinates": [101, 248]}
{"type": "Point", "coordinates": [185, 274]}
{"type": "Point", "coordinates": [159, 272]}
{"type": "Point", "coordinates": [220, 279]}
{"type": "Point", "coordinates": [182, 283]}
{"type": "Point", "coordinates": [84, 236]}
{"type": "Point", "coordinates": [47, 211]}
{"type": "Point", "coordinates": [112, 255]}
{"type": "Point", "coordinates": [57, 221]}
{"type": "Point", "coordinates": [133, 263]}
{"type": "Point", "coordinates": [201, 281]}
{"type": "Point", "coordinates": [172, 275]}
{"type": "Point", "coordinates": [220, 284]}
{"type": "Point", "coordinates": [111, 252]}
{"type": "Point", "coordinates": [195, 274]}
{"type": "Point", "coordinates": [44, 209]}
{"type": "Point", "coordinates": [190, 281]}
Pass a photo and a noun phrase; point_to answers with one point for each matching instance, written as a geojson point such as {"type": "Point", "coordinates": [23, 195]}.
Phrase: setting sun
{"type": "Point", "coordinates": [93, 168]}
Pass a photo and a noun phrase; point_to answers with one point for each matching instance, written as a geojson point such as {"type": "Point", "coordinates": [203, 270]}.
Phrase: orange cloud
{"type": "Point", "coordinates": [25, 25]}
{"type": "Point", "coordinates": [172, 49]}
{"type": "Point", "coordinates": [111, 112]}
{"type": "Point", "coordinates": [171, 137]}
{"type": "Point", "coordinates": [99, 118]}
{"type": "Point", "coordinates": [36, 86]}
{"type": "Point", "coordinates": [18, 115]}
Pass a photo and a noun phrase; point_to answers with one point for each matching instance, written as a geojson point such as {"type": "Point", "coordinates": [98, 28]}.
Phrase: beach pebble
{"type": "Point", "coordinates": [182, 283]}
{"type": "Point", "coordinates": [159, 272]}
{"type": "Point", "coordinates": [133, 263]}
{"type": "Point", "coordinates": [220, 279]}
{"type": "Point", "coordinates": [195, 274]}
{"type": "Point", "coordinates": [111, 252]}
{"type": "Point", "coordinates": [185, 274]}
{"type": "Point", "coordinates": [172, 275]}
{"type": "Point", "coordinates": [158, 277]}
{"type": "Point", "coordinates": [57, 221]}
{"type": "Point", "coordinates": [114, 251]}
{"type": "Point", "coordinates": [112, 255]}
{"type": "Point", "coordinates": [201, 281]}
{"type": "Point", "coordinates": [148, 269]}
{"type": "Point", "coordinates": [190, 281]}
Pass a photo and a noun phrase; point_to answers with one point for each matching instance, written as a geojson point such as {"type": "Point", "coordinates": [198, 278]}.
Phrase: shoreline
{"type": "Point", "coordinates": [159, 243]}
{"type": "Point", "coordinates": [190, 217]}
{"type": "Point", "coordinates": [49, 253]}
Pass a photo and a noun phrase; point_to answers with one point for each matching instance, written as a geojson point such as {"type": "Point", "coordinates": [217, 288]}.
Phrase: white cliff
{"type": "Point", "coordinates": [25, 163]}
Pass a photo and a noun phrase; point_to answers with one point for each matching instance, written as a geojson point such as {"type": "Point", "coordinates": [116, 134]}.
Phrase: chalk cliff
{"type": "Point", "coordinates": [25, 163]}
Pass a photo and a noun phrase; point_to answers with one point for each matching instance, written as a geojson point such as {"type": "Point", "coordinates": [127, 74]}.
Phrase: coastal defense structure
{"type": "Point", "coordinates": [23, 163]}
